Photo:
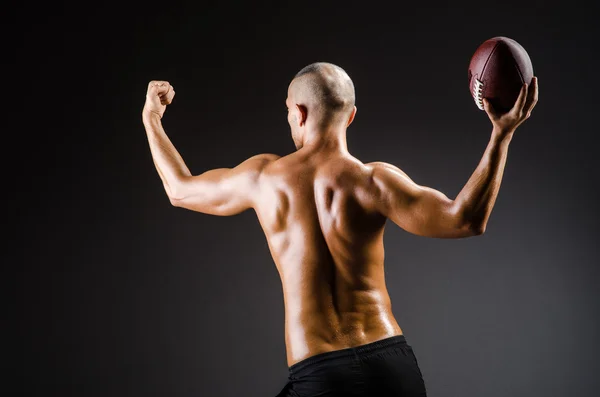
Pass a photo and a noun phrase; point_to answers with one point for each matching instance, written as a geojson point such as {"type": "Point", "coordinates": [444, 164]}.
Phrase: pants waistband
{"type": "Point", "coordinates": [348, 352]}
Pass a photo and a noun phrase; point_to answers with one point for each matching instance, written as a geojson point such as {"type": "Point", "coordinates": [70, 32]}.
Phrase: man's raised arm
{"type": "Point", "coordinates": [427, 212]}
{"type": "Point", "coordinates": [221, 191]}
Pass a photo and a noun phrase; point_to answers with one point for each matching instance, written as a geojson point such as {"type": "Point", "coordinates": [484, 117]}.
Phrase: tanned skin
{"type": "Point", "coordinates": [323, 212]}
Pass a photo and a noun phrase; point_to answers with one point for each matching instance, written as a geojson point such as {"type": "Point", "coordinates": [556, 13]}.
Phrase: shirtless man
{"type": "Point", "coordinates": [323, 212]}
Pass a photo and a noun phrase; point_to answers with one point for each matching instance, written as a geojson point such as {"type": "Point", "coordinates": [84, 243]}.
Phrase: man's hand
{"type": "Point", "coordinates": [507, 123]}
{"type": "Point", "coordinates": [159, 95]}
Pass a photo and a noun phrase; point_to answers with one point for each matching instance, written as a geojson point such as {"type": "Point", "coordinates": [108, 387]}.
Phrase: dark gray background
{"type": "Point", "coordinates": [120, 294]}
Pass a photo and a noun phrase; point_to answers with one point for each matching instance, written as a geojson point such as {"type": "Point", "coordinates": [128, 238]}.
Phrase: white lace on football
{"type": "Point", "coordinates": [478, 93]}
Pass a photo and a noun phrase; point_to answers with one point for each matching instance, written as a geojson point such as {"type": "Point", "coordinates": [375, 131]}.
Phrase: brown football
{"type": "Point", "coordinates": [497, 71]}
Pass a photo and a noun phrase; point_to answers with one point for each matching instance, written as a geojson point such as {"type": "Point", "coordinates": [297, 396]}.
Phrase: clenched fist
{"type": "Point", "coordinates": [159, 95]}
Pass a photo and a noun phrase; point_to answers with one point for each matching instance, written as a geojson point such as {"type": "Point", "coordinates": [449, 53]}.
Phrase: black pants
{"type": "Point", "coordinates": [385, 368]}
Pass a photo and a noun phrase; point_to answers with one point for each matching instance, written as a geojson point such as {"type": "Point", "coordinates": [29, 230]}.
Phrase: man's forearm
{"type": "Point", "coordinates": [168, 161]}
{"type": "Point", "coordinates": [476, 200]}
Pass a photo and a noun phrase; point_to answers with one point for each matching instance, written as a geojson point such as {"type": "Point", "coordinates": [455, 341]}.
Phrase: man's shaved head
{"type": "Point", "coordinates": [326, 90]}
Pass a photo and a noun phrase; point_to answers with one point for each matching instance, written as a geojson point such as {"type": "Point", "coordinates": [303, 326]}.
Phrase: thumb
{"type": "Point", "coordinates": [489, 108]}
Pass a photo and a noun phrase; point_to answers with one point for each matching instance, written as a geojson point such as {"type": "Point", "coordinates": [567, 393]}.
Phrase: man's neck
{"type": "Point", "coordinates": [332, 139]}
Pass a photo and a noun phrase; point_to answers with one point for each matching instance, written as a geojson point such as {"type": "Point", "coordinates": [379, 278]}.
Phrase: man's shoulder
{"type": "Point", "coordinates": [264, 157]}
{"type": "Point", "coordinates": [385, 167]}
{"type": "Point", "coordinates": [380, 164]}
{"type": "Point", "coordinates": [260, 161]}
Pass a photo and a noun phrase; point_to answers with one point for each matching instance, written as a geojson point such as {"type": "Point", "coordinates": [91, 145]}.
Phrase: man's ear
{"type": "Point", "coordinates": [303, 112]}
{"type": "Point", "coordinates": [351, 118]}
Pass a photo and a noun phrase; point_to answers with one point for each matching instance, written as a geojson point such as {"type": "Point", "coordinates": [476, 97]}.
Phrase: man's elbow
{"type": "Point", "coordinates": [176, 196]}
{"type": "Point", "coordinates": [467, 226]}
{"type": "Point", "coordinates": [477, 229]}
{"type": "Point", "coordinates": [470, 229]}
{"type": "Point", "coordinates": [175, 202]}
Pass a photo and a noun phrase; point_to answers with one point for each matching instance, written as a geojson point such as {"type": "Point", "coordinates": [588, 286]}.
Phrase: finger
{"type": "Point", "coordinates": [158, 87]}
{"type": "Point", "coordinates": [157, 90]}
{"type": "Point", "coordinates": [489, 108]}
{"type": "Point", "coordinates": [158, 83]}
{"type": "Point", "coordinates": [167, 98]}
{"type": "Point", "coordinates": [520, 102]}
{"type": "Point", "coordinates": [536, 90]}
{"type": "Point", "coordinates": [170, 95]}
{"type": "Point", "coordinates": [532, 97]}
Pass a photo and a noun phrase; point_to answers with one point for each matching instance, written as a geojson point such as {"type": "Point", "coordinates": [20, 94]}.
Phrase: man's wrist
{"type": "Point", "coordinates": [502, 135]}
{"type": "Point", "coordinates": [150, 115]}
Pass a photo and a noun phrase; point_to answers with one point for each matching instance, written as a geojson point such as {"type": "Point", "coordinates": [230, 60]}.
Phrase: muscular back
{"type": "Point", "coordinates": [324, 212]}
{"type": "Point", "coordinates": [326, 238]}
